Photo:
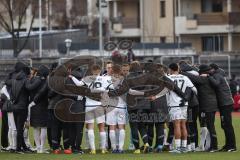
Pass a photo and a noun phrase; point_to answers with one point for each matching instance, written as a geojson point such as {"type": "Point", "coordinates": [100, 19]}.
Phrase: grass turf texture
{"type": "Point", "coordinates": [130, 156]}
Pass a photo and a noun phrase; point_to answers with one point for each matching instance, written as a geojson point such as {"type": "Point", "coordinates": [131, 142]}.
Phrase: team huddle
{"type": "Point", "coordinates": [158, 102]}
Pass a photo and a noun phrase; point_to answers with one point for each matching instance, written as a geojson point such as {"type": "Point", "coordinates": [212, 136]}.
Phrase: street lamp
{"type": "Point", "coordinates": [68, 43]}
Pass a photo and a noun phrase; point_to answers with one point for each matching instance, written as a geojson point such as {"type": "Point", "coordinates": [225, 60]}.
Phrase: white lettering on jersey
{"type": "Point", "coordinates": [182, 82]}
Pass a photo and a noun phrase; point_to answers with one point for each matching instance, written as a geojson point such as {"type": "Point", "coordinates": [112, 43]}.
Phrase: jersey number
{"type": "Point", "coordinates": [179, 82]}
{"type": "Point", "coordinates": [96, 85]}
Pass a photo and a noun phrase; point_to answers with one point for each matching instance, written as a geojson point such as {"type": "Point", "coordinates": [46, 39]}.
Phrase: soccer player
{"type": "Point", "coordinates": [116, 115]}
{"type": "Point", "coordinates": [94, 109]}
{"type": "Point", "coordinates": [178, 108]}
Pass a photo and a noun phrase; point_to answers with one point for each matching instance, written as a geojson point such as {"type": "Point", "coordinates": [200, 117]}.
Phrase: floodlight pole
{"type": "Point", "coordinates": [40, 27]}
{"type": "Point", "coordinates": [100, 29]}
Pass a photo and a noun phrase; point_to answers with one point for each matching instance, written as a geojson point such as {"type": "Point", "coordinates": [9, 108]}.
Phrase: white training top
{"type": "Point", "coordinates": [96, 84]}
{"type": "Point", "coordinates": [182, 82]}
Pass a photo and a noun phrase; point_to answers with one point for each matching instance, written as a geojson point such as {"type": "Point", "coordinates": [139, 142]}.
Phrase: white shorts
{"type": "Point", "coordinates": [97, 113]}
{"type": "Point", "coordinates": [116, 116]}
{"type": "Point", "coordinates": [178, 113]}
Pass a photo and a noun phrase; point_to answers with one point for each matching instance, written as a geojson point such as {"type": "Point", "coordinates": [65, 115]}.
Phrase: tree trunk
{"type": "Point", "coordinates": [15, 47]}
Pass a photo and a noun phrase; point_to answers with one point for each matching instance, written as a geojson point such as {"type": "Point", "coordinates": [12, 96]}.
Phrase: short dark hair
{"type": "Point", "coordinates": [173, 66]}
{"type": "Point", "coordinates": [214, 66]}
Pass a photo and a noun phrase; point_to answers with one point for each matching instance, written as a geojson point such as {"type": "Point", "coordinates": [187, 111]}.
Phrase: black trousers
{"type": "Point", "coordinates": [20, 117]}
{"type": "Point", "coordinates": [141, 128]}
{"type": "Point", "coordinates": [226, 124]}
{"type": "Point", "coordinates": [210, 120]}
{"type": "Point", "coordinates": [170, 133]}
{"type": "Point", "coordinates": [159, 127]}
{"type": "Point", "coordinates": [192, 125]}
{"type": "Point", "coordinates": [137, 124]}
{"type": "Point", "coordinates": [76, 135]}
{"type": "Point", "coordinates": [57, 128]}
{"type": "Point", "coordinates": [4, 130]}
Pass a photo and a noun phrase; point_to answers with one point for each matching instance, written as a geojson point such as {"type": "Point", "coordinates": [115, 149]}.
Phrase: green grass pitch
{"type": "Point", "coordinates": [130, 156]}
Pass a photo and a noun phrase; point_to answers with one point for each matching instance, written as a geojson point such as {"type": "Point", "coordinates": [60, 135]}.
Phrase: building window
{"type": "Point", "coordinates": [162, 8]}
{"type": "Point", "coordinates": [212, 43]}
{"type": "Point", "coordinates": [162, 39]}
{"type": "Point", "coordinates": [212, 6]}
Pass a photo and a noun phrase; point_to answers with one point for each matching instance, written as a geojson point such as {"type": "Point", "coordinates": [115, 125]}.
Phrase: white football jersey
{"type": "Point", "coordinates": [182, 82]}
{"type": "Point", "coordinates": [95, 83]}
{"type": "Point", "coordinates": [101, 83]}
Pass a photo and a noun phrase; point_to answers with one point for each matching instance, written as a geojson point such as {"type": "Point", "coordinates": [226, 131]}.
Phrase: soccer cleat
{"type": "Point", "coordinates": [56, 151]}
{"type": "Point", "coordinates": [115, 151]}
{"type": "Point", "coordinates": [131, 147]}
{"type": "Point", "coordinates": [92, 152]}
{"type": "Point", "coordinates": [159, 149]}
{"type": "Point", "coordinates": [199, 149]}
{"type": "Point", "coordinates": [120, 151]}
{"type": "Point", "coordinates": [137, 151]}
{"type": "Point", "coordinates": [232, 150]}
{"type": "Point", "coordinates": [177, 150]}
{"type": "Point", "coordinates": [213, 150]}
{"type": "Point", "coordinates": [67, 151]}
{"type": "Point", "coordinates": [104, 151]}
{"type": "Point", "coordinates": [166, 148]}
{"type": "Point", "coordinates": [146, 148]}
{"type": "Point", "coordinates": [184, 150]}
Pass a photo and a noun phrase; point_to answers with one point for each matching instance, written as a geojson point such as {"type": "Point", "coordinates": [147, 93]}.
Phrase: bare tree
{"type": "Point", "coordinates": [13, 14]}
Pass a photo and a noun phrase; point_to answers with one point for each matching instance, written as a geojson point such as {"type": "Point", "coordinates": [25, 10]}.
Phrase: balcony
{"type": "Point", "coordinates": [125, 27]}
{"type": "Point", "coordinates": [207, 23]}
{"type": "Point", "coordinates": [212, 18]}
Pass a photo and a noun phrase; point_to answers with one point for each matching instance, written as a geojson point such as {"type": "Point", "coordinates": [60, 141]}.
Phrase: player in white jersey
{"type": "Point", "coordinates": [94, 109]}
{"type": "Point", "coordinates": [116, 115]}
{"type": "Point", "coordinates": [178, 108]}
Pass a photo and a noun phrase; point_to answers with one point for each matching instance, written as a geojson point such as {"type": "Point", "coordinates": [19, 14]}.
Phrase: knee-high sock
{"type": "Point", "coordinates": [43, 137]}
{"type": "Point", "coordinates": [203, 135]}
{"type": "Point", "coordinates": [13, 129]}
{"type": "Point", "coordinates": [208, 141]}
{"type": "Point", "coordinates": [121, 138]}
{"type": "Point", "coordinates": [91, 139]}
{"type": "Point", "coordinates": [26, 138]}
{"type": "Point", "coordinates": [10, 140]}
{"type": "Point", "coordinates": [112, 135]}
{"type": "Point", "coordinates": [36, 134]}
{"type": "Point", "coordinates": [103, 138]}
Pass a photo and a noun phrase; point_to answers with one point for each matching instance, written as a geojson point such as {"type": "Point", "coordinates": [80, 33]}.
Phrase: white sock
{"type": "Point", "coordinates": [103, 140]}
{"type": "Point", "coordinates": [193, 146]}
{"type": "Point", "coordinates": [121, 138]}
{"type": "Point", "coordinates": [43, 137]}
{"type": "Point", "coordinates": [208, 142]}
{"type": "Point", "coordinates": [13, 133]}
{"type": "Point", "coordinates": [14, 138]}
{"type": "Point", "coordinates": [184, 143]}
{"type": "Point", "coordinates": [189, 147]}
{"type": "Point", "coordinates": [10, 139]}
{"type": "Point", "coordinates": [36, 134]}
{"type": "Point", "coordinates": [203, 136]}
{"type": "Point", "coordinates": [26, 138]}
{"type": "Point", "coordinates": [112, 135]}
{"type": "Point", "coordinates": [177, 143]}
{"type": "Point", "coordinates": [91, 139]}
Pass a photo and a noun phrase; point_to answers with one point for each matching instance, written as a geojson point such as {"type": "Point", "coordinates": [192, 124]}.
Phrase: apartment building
{"type": "Point", "coordinates": [210, 25]}
{"type": "Point", "coordinates": [142, 20]}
